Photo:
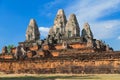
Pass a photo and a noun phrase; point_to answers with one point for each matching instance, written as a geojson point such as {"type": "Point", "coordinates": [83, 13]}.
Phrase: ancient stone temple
{"type": "Point", "coordinates": [63, 34]}
{"type": "Point", "coordinates": [64, 30]}
{"type": "Point", "coordinates": [32, 32]}
{"type": "Point", "coordinates": [66, 49]}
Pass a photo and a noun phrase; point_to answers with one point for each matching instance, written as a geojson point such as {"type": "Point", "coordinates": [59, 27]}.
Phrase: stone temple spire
{"type": "Point", "coordinates": [32, 32]}
{"type": "Point", "coordinates": [72, 27]}
{"type": "Point", "coordinates": [87, 35]}
{"type": "Point", "coordinates": [86, 32]}
{"type": "Point", "coordinates": [60, 22]}
{"type": "Point", "coordinates": [60, 12]}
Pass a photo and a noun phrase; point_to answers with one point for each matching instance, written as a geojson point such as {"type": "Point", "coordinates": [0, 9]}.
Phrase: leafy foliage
{"type": "Point", "coordinates": [9, 48]}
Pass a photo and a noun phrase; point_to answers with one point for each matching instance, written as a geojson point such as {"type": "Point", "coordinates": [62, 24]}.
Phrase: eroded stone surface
{"type": "Point", "coordinates": [72, 27]}
{"type": "Point", "coordinates": [60, 22]}
{"type": "Point", "coordinates": [32, 32]}
{"type": "Point", "coordinates": [87, 33]}
{"type": "Point", "coordinates": [4, 50]}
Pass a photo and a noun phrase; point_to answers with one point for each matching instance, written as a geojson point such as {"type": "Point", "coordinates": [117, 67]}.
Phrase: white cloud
{"type": "Point", "coordinates": [90, 11]}
{"type": "Point", "coordinates": [43, 31]}
{"type": "Point", "coordinates": [52, 3]}
{"type": "Point", "coordinates": [119, 37]}
{"type": "Point", "coordinates": [105, 29]}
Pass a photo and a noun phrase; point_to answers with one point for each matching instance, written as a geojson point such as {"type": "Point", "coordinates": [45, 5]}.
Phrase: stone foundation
{"type": "Point", "coordinates": [43, 66]}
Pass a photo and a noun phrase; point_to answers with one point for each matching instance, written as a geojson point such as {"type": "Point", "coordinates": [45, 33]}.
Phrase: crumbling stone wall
{"type": "Point", "coordinates": [61, 66]}
{"type": "Point", "coordinates": [78, 45]}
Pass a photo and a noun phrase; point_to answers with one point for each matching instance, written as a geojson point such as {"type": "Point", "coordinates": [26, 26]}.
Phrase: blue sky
{"type": "Point", "coordinates": [102, 15]}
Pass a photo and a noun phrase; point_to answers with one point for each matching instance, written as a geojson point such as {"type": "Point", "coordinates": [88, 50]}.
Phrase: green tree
{"type": "Point", "coordinates": [9, 48]}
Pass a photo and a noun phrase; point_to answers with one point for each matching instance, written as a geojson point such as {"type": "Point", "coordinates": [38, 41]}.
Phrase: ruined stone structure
{"type": "Point", "coordinates": [87, 35]}
{"type": "Point", "coordinates": [80, 63]}
{"type": "Point", "coordinates": [68, 32]}
{"type": "Point", "coordinates": [63, 51]}
{"type": "Point", "coordinates": [4, 50]}
{"type": "Point", "coordinates": [72, 27]}
{"type": "Point", "coordinates": [32, 32]}
{"type": "Point", "coordinates": [64, 30]}
{"type": "Point", "coordinates": [32, 35]}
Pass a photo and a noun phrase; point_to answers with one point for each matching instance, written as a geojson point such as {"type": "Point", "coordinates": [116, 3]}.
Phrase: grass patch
{"type": "Point", "coordinates": [66, 77]}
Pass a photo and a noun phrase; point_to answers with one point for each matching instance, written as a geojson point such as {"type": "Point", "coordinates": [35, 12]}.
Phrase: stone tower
{"type": "Point", "coordinates": [60, 22]}
{"type": "Point", "coordinates": [86, 32]}
{"type": "Point", "coordinates": [87, 35]}
{"type": "Point", "coordinates": [57, 31]}
{"type": "Point", "coordinates": [32, 32]}
{"type": "Point", "coordinates": [72, 27]}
